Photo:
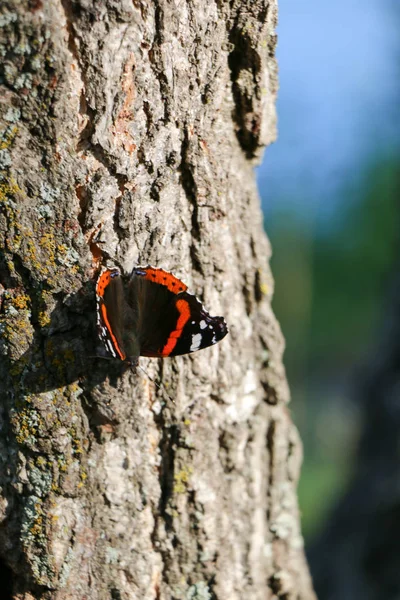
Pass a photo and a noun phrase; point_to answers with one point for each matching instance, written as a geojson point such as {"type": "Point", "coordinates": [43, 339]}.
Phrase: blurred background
{"type": "Point", "coordinates": [330, 190]}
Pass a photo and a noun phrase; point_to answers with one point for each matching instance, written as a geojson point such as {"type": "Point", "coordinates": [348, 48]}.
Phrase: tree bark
{"type": "Point", "coordinates": [129, 135]}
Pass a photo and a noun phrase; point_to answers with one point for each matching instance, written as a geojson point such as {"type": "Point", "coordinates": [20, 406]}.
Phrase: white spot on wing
{"type": "Point", "coordinates": [111, 348]}
{"type": "Point", "coordinates": [203, 324]}
{"type": "Point", "coordinates": [196, 342]}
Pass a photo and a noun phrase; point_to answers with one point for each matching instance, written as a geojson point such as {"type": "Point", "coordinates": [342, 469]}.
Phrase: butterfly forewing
{"type": "Point", "coordinates": [117, 322]}
{"type": "Point", "coordinates": [201, 329]}
{"type": "Point", "coordinates": [179, 322]}
{"type": "Point", "coordinates": [109, 296]}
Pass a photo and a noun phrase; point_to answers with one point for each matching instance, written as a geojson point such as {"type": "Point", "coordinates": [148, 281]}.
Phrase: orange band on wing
{"type": "Point", "coordinates": [103, 282]}
{"type": "Point", "coordinates": [174, 284]}
{"type": "Point", "coordinates": [103, 309]}
{"type": "Point", "coordinates": [184, 316]}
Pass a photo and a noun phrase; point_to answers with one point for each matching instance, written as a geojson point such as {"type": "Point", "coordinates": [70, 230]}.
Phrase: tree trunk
{"type": "Point", "coordinates": [129, 135]}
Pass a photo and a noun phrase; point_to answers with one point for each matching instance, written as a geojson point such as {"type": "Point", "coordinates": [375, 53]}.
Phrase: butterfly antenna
{"type": "Point", "coordinates": [160, 387]}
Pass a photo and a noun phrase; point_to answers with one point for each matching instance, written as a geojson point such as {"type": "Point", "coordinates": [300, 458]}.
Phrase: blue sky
{"type": "Point", "coordinates": [337, 104]}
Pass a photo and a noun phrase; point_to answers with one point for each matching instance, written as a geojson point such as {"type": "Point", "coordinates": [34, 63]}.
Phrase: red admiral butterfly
{"type": "Point", "coordinates": [150, 313]}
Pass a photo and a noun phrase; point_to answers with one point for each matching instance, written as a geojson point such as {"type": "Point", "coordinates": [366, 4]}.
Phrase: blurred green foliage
{"type": "Point", "coordinates": [322, 483]}
{"type": "Point", "coordinates": [332, 276]}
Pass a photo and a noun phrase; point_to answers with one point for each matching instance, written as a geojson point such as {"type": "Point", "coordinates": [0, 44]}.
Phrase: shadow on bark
{"type": "Point", "coordinates": [66, 350]}
{"type": "Point", "coordinates": [6, 581]}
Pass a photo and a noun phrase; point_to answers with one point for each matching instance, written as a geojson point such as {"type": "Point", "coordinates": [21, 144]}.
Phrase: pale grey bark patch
{"type": "Point", "coordinates": [129, 130]}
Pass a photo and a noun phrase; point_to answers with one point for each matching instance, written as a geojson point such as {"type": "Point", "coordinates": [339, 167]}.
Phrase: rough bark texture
{"type": "Point", "coordinates": [358, 556]}
{"type": "Point", "coordinates": [129, 133]}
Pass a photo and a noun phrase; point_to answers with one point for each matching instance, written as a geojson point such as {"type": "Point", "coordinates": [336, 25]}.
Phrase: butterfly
{"type": "Point", "coordinates": [150, 313]}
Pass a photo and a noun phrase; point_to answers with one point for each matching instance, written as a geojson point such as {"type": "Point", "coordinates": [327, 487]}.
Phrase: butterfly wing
{"type": "Point", "coordinates": [170, 321]}
{"type": "Point", "coordinates": [196, 328]}
{"type": "Point", "coordinates": [116, 321]}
